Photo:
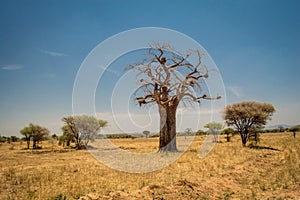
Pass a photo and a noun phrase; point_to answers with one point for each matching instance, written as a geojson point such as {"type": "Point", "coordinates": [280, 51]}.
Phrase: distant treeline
{"type": "Point", "coordinates": [9, 139]}
{"type": "Point", "coordinates": [140, 135]}
{"type": "Point", "coordinates": [124, 135]}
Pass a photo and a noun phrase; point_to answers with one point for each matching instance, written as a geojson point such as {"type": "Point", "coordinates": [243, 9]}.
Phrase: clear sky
{"type": "Point", "coordinates": [255, 44]}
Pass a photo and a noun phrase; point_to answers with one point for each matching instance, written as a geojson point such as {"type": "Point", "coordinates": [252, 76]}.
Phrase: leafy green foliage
{"type": "Point", "coordinates": [38, 134]}
{"type": "Point", "coordinates": [14, 138]}
{"type": "Point", "coordinates": [200, 132]}
{"type": "Point", "coordinates": [67, 136]}
{"type": "Point", "coordinates": [214, 128]}
{"type": "Point", "coordinates": [247, 117]}
{"type": "Point", "coordinates": [35, 133]}
{"type": "Point", "coordinates": [229, 132]}
{"type": "Point", "coordinates": [82, 129]}
{"type": "Point", "coordinates": [3, 139]}
{"type": "Point", "coordinates": [294, 128]}
{"type": "Point", "coordinates": [27, 133]}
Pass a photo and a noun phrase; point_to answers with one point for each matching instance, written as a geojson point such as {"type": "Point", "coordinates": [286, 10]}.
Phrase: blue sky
{"type": "Point", "coordinates": [255, 44]}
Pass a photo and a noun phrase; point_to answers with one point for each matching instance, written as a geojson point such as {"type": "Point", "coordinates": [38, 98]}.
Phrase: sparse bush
{"type": "Point", "coordinates": [60, 197]}
{"type": "Point", "coordinates": [294, 129]}
{"type": "Point", "coordinates": [121, 135]}
{"type": "Point", "coordinates": [2, 139]}
{"type": "Point", "coordinates": [54, 136]}
{"type": "Point", "coordinates": [188, 131]}
{"type": "Point", "coordinates": [14, 138]}
{"type": "Point", "coordinates": [155, 135]}
{"type": "Point", "coordinates": [200, 132]}
{"type": "Point", "coordinates": [12, 146]}
{"type": "Point", "coordinates": [229, 132]}
{"type": "Point", "coordinates": [67, 138]}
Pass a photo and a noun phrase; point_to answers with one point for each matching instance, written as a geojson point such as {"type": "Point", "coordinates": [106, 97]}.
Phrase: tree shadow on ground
{"type": "Point", "coordinates": [263, 147]}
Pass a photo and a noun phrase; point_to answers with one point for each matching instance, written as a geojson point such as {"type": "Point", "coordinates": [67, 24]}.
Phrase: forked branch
{"type": "Point", "coordinates": [167, 76]}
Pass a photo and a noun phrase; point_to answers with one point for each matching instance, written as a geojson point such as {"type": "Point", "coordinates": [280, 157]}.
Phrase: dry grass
{"type": "Point", "coordinates": [228, 172]}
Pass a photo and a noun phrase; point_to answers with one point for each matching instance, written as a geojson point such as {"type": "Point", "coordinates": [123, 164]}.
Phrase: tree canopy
{"type": "Point", "coordinates": [248, 116]}
{"type": "Point", "coordinates": [34, 132]}
{"type": "Point", "coordinates": [228, 132]}
{"type": "Point", "coordinates": [27, 133]}
{"type": "Point", "coordinates": [83, 128]}
{"type": "Point", "coordinates": [38, 134]}
{"type": "Point", "coordinates": [214, 128]}
{"type": "Point", "coordinates": [294, 128]}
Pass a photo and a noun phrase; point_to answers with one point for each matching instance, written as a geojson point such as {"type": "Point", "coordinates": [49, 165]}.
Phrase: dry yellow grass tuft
{"type": "Point", "coordinates": [269, 171]}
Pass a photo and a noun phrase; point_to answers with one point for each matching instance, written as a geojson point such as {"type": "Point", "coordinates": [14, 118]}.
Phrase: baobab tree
{"type": "Point", "coordinates": [166, 78]}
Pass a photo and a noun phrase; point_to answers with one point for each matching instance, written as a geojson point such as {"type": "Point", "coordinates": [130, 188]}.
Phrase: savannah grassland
{"type": "Point", "coordinates": [229, 171]}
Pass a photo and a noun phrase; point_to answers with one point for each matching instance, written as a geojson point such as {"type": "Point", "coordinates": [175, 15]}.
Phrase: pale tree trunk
{"type": "Point", "coordinates": [167, 131]}
{"type": "Point", "coordinates": [167, 134]}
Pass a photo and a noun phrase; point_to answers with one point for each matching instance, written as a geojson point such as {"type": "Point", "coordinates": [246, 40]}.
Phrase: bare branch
{"type": "Point", "coordinates": [176, 64]}
{"type": "Point", "coordinates": [142, 100]}
{"type": "Point", "coordinates": [209, 98]}
{"type": "Point", "coordinates": [190, 75]}
{"type": "Point", "coordinates": [166, 76]}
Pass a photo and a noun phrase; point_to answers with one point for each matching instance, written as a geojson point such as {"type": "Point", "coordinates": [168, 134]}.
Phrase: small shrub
{"type": "Point", "coordinates": [12, 147]}
{"type": "Point", "coordinates": [60, 197]}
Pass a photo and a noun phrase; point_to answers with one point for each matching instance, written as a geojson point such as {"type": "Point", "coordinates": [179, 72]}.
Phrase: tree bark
{"type": "Point", "coordinates": [244, 137]}
{"type": "Point", "coordinates": [167, 134]}
{"type": "Point", "coordinates": [28, 142]}
{"type": "Point", "coordinates": [227, 137]}
{"type": "Point", "coordinates": [34, 144]}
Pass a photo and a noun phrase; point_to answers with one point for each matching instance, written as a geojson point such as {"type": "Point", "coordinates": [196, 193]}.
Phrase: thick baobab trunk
{"type": "Point", "coordinates": [167, 131]}
{"type": "Point", "coordinates": [167, 134]}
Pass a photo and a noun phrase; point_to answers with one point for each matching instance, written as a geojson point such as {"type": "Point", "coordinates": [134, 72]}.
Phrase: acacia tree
{"type": "Point", "coordinates": [27, 132]}
{"type": "Point", "coordinates": [70, 122]}
{"type": "Point", "coordinates": [83, 128]}
{"type": "Point", "coordinates": [88, 127]}
{"type": "Point", "coordinates": [294, 129]}
{"type": "Point", "coordinates": [146, 133]}
{"type": "Point", "coordinates": [167, 78]}
{"type": "Point", "coordinates": [67, 137]}
{"type": "Point", "coordinates": [188, 131]}
{"type": "Point", "coordinates": [247, 117]}
{"type": "Point", "coordinates": [38, 134]}
{"type": "Point", "coordinates": [229, 132]}
{"type": "Point", "coordinates": [214, 128]}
